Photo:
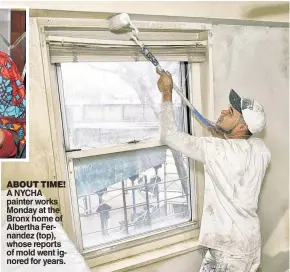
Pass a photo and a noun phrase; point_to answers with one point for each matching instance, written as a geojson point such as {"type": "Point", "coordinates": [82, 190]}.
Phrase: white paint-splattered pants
{"type": "Point", "coordinates": [217, 261]}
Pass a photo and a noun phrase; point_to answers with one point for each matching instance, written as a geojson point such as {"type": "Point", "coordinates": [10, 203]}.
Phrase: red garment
{"type": "Point", "coordinates": [12, 90]}
{"type": "Point", "coordinates": [8, 148]}
{"type": "Point", "coordinates": [12, 98]}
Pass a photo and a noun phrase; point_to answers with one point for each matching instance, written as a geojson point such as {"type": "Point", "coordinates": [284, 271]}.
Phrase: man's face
{"type": "Point", "coordinates": [228, 119]}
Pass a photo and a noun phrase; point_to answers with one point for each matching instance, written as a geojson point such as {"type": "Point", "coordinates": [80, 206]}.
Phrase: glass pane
{"type": "Point", "coordinates": [109, 103]}
{"type": "Point", "coordinates": [132, 192]}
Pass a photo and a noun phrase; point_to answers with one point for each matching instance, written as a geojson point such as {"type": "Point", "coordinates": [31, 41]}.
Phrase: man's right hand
{"type": "Point", "coordinates": [165, 84]}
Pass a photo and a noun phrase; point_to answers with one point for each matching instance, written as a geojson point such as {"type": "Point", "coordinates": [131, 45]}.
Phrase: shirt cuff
{"type": "Point", "coordinates": [166, 105]}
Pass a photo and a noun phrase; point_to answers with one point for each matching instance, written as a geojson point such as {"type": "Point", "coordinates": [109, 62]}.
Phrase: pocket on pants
{"type": "Point", "coordinates": [238, 264]}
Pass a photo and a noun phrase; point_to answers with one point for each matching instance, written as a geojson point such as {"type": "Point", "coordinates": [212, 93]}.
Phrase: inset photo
{"type": "Point", "coordinates": [13, 54]}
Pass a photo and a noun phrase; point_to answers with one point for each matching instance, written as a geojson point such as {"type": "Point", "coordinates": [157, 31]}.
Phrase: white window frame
{"type": "Point", "coordinates": [120, 148]}
{"type": "Point", "coordinates": [202, 83]}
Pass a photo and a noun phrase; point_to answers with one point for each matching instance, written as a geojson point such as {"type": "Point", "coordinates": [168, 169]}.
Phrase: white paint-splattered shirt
{"type": "Point", "coordinates": [234, 170]}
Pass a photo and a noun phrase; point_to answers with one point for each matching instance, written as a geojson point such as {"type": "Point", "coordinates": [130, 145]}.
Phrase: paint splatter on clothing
{"type": "Point", "coordinates": [234, 170]}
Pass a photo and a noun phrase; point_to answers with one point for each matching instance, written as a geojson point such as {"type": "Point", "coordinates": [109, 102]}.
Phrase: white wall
{"type": "Point", "coordinates": [254, 62]}
{"type": "Point", "coordinates": [41, 160]}
{"type": "Point", "coordinates": [239, 10]}
{"type": "Point", "coordinates": [4, 28]}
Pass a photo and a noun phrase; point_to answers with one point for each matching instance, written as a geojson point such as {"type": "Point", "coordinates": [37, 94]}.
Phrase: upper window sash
{"type": "Point", "coordinates": [80, 115]}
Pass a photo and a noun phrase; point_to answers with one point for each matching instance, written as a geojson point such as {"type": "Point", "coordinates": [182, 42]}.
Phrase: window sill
{"type": "Point", "coordinates": [149, 257]}
{"type": "Point", "coordinates": [140, 245]}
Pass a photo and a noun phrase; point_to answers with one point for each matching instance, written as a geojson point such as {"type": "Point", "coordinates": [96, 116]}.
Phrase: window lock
{"type": "Point", "coordinates": [133, 142]}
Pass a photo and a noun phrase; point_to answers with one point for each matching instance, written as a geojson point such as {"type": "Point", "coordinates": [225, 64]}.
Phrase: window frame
{"type": "Point", "coordinates": [201, 78]}
{"type": "Point", "coordinates": [110, 150]}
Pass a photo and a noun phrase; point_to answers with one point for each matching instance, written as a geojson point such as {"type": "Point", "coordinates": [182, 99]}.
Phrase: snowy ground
{"type": "Point", "coordinates": [159, 216]}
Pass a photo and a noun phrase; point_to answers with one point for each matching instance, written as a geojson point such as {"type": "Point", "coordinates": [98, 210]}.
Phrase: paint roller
{"type": "Point", "coordinates": [122, 21]}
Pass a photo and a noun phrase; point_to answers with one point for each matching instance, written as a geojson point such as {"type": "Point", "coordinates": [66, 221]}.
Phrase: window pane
{"type": "Point", "coordinates": [109, 103]}
{"type": "Point", "coordinates": [131, 192]}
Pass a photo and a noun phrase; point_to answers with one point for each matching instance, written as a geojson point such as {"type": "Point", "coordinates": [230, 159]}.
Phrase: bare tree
{"type": "Point", "coordinates": [142, 88]}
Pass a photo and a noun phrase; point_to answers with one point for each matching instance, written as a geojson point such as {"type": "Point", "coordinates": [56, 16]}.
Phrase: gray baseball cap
{"type": "Point", "coordinates": [253, 112]}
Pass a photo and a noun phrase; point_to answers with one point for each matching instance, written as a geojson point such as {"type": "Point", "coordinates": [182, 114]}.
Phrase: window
{"type": "Point", "coordinates": [119, 194]}
{"type": "Point", "coordinates": [125, 188]}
